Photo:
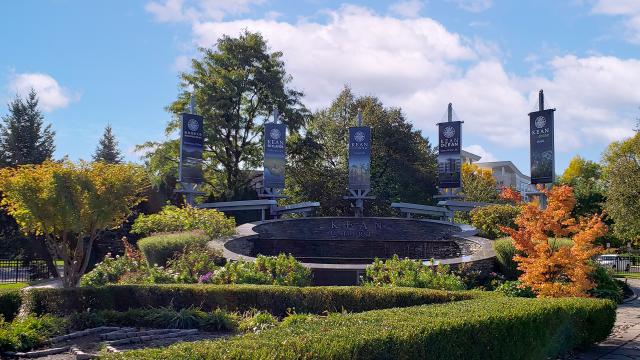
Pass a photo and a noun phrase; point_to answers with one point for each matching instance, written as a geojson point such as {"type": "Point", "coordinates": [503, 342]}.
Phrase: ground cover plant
{"type": "Point", "coordinates": [411, 273]}
{"type": "Point", "coordinates": [28, 332]}
{"type": "Point", "coordinates": [536, 328]}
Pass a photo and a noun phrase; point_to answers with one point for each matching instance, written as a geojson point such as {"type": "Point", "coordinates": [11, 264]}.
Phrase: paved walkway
{"type": "Point", "coordinates": [624, 341]}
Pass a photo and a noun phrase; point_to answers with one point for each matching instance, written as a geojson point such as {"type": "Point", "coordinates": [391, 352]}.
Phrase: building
{"type": "Point", "coordinates": [508, 175]}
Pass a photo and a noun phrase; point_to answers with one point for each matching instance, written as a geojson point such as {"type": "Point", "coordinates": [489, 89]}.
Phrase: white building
{"type": "Point", "coordinates": [505, 172]}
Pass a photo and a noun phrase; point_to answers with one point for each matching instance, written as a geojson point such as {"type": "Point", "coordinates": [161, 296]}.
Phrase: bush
{"type": "Point", "coordinates": [277, 300]}
{"type": "Point", "coordinates": [268, 270]}
{"type": "Point", "coordinates": [29, 332]}
{"type": "Point", "coordinates": [10, 302]}
{"type": "Point", "coordinates": [411, 273]}
{"type": "Point", "coordinates": [194, 262]}
{"type": "Point", "coordinates": [188, 318]}
{"type": "Point", "coordinates": [606, 286]}
{"type": "Point", "coordinates": [174, 219]}
{"type": "Point", "coordinates": [489, 219]}
{"type": "Point", "coordinates": [158, 249]}
{"type": "Point", "coordinates": [256, 321]}
{"type": "Point", "coordinates": [515, 289]}
{"type": "Point", "coordinates": [111, 270]}
{"type": "Point", "coordinates": [496, 328]}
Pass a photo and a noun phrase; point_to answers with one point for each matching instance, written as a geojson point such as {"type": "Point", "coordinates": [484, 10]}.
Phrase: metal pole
{"type": "Point", "coordinates": [541, 100]}
{"type": "Point", "coordinates": [359, 117]}
{"type": "Point", "coordinates": [450, 112]}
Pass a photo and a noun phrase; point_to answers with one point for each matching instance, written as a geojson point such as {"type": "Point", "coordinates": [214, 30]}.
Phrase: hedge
{"type": "Point", "coordinates": [496, 328]}
{"type": "Point", "coordinates": [10, 302]}
{"type": "Point", "coordinates": [159, 248]}
{"type": "Point", "coordinates": [277, 300]}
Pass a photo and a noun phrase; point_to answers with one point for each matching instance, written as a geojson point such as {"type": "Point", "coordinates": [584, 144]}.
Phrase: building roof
{"type": "Point", "coordinates": [469, 155]}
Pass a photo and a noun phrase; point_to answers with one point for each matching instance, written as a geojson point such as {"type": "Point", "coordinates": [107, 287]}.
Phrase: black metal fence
{"type": "Point", "coordinates": [12, 271]}
{"type": "Point", "coordinates": [620, 263]}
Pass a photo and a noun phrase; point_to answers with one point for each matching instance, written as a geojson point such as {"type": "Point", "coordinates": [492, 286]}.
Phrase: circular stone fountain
{"type": "Point", "coordinates": [338, 249]}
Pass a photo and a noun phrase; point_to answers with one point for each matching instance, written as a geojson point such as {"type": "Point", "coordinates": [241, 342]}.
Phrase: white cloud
{"type": "Point", "coordinates": [408, 8]}
{"type": "Point", "coordinates": [198, 10]}
{"type": "Point", "coordinates": [629, 9]}
{"type": "Point", "coordinates": [485, 156]}
{"type": "Point", "coordinates": [182, 63]}
{"type": "Point", "coordinates": [51, 95]}
{"type": "Point", "coordinates": [417, 64]}
{"type": "Point", "coordinates": [474, 5]}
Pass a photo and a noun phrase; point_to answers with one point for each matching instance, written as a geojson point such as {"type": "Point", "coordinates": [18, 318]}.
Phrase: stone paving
{"type": "Point", "coordinates": [624, 341]}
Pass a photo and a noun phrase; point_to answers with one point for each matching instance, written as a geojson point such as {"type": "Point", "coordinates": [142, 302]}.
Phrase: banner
{"type": "Point", "coordinates": [542, 148]}
{"type": "Point", "coordinates": [274, 155]}
{"type": "Point", "coordinates": [191, 142]}
{"type": "Point", "coordinates": [360, 158]}
{"type": "Point", "coordinates": [449, 162]}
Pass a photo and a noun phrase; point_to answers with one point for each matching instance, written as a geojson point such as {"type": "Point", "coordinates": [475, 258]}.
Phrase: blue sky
{"type": "Point", "coordinates": [118, 62]}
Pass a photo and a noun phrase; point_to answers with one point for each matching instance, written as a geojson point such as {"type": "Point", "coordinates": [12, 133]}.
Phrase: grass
{"type": "Point", "coordinates": [12, 286]}
{"type": "Point", "coordinates": [627, 275]}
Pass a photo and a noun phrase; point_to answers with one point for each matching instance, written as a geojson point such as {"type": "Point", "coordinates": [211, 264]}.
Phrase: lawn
{"type": "Point", "coordinates": [12, 286]}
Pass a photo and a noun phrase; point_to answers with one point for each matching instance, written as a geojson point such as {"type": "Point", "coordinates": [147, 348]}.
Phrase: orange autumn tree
{"type": "Point", "coordinates": [511, 195]}
{"type": "Point", "coordinates": [556, 271]}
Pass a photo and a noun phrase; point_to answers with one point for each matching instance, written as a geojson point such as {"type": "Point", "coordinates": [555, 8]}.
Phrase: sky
{"type": "Point", "coordinates": [118, 62]}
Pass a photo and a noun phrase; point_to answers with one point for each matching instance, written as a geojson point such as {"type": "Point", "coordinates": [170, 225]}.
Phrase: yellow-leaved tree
{"type": "Point", "coordinates": [549, 270]}
{"type": "Point", "coordinates": [71, 204]}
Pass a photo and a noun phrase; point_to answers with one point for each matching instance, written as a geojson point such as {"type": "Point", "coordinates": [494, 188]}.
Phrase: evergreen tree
{"type": "Point", "coordinates": [107, 150]}
{"type": "Point", "coordinates": [23, 137]}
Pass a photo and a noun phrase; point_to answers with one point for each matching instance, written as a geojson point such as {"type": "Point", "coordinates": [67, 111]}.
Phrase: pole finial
{"type": "Point", "coordinates": [359, 117]}
{"type": "Point", "coordinates": [541, 100]}
{"type": "Point", "coordinates": [276, 115]}
{"type": "Point", "coordinates": [450, 112]}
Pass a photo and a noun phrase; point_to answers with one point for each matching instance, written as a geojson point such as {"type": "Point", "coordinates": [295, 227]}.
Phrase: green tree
{"type": "Point", "coordinates": [70, 205]}
{"type": "Point", "coordinates": [621, 165]}
{"type": "Point", "coordinates": [236, 86]}
{"type": "Point", "coordinates": [478, 184]}
{"type": "Point", "coordinates": [107, 150]}
{"type": "Point", "coordinates": [584, 176]}
{"type": "Point", "coordinates": [403, 163]}
{"type": "Point", "coordinates": [23, 137]}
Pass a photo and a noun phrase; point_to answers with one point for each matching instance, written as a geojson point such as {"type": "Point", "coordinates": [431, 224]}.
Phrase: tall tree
{"type": "Point", "coordinates": [107, 150]}
{"type": "Point", "coordinates": [403, 163]}
{"type": "Point", "coordinates": [23, 137]}
{"type": "Point", "coordinates": [584, 176]}
{"type": "Point", "coordinates": [478, 184]}
{"type": "Point", "coordinates": [236, 86]}
{"type": "Point", "coordinates": [621, 163]}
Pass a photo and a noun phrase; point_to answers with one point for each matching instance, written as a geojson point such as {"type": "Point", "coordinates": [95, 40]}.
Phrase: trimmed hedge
{"type": "Point", "coordinates": [158, 249]}
{"type": "Point", "coordinates": [489, 219]}
{"type": "Point", "coordinates": [10, 302]}
{"type": "Point", "coordinates": [277, 300]}
{"type": "Point", "coordinates": [496, 328]}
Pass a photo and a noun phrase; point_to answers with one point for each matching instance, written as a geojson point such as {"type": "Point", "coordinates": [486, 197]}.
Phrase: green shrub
{"type": "Point", "coordinates": [269, 270]}
{"type": "Point", "coordinates": [165, 317]}
{"type": "Point", "coordinates": [278, 300]}
{"type": "Point", "coordinates": [174, 219]}
{"type": "Point", "coordinates": [28, 332]}
{"type": "Point", "coordinates": [256, 321]}
{"type": "Point", "coordinates": [606, 286]}
{"type": "Point", "coordinates": [516, 289]}
{"type": "Point", "coordinates": [10, 302]}
{"type": "Point", "coordinates": [194, 262]}
{"type": "Point", "coordinates": [110, 270]}
{"type": "Point", "coordinates": [489, 219]}
{"type": "Point", "coordinates": [411, 273]}
{"type": "Point", "coordinates": [496, 328]}
{"type": "Point", "coordinates": [158, 249]}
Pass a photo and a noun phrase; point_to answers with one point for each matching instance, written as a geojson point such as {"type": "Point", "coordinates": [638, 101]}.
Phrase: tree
{"type": "Point", "coordinates": [549, 270]}
{"type": "Point", "coordinates": [584, 176]}
{"type": "Point", "coordinates": [621, 162]}
{"type": "Point", "coordinates": [236, 86]}
{"type": "Point", "coordinates": [23, 137]}
{"type": "Point", "coordinates": [478, 184]}
{"type": "Point", "coordinates": [70, 205]}
{"type": "Point", "coordinates": [107, 150]}
{"type": "Point", "coordinates": [403, 163]}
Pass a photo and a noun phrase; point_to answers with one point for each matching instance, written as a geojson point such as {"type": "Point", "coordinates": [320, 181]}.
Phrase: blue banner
{"type": "Point", "coordinates": [191, 144]}
{"type": "Point", "coordinates": [542, 147]}
{"type": "Point", "coordinates": [360, 158]}
{"type": "Point", "coordinates": [274, 155]}
{"type": "Point", "coordinates": [449, 162]}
